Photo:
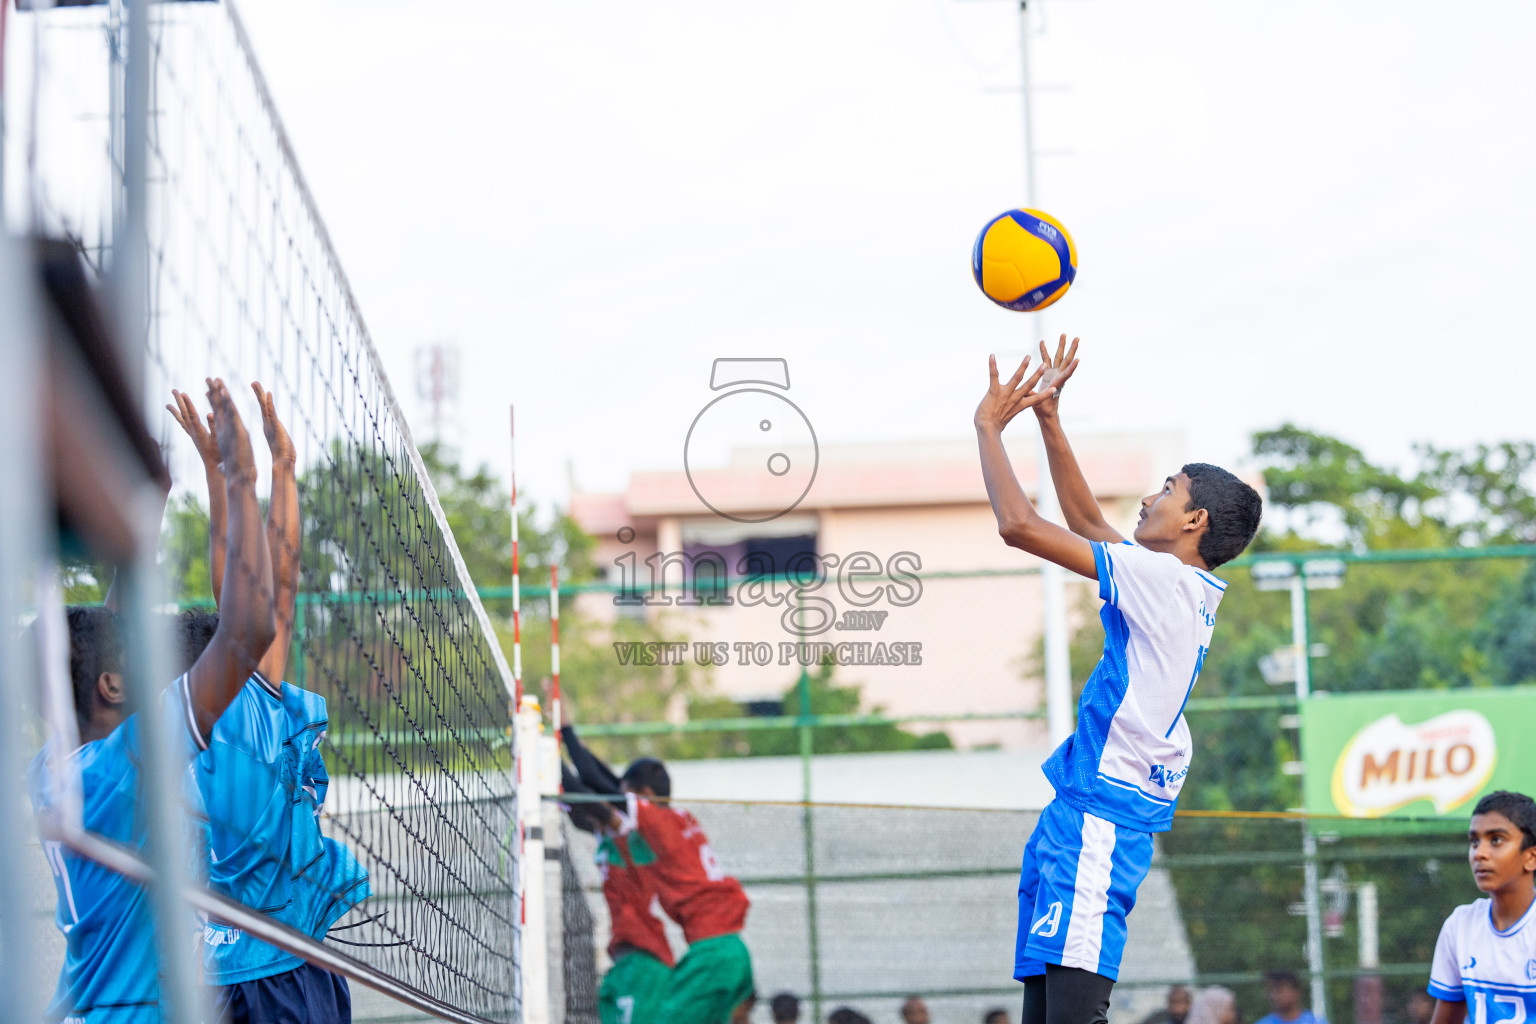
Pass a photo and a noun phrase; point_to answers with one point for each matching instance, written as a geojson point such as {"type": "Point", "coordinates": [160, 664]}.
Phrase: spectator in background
{"type": "Point", "coordinates": [785, 1008]}
{"type": "Point", "coordinates": [1283, 989]}
{"type": "Point", "coordinates": [1214, 1005]}
{"type": "Point", "coordinates": [848, 1015]}
{"type": "Point", "coordinates": [1176, 1010]}
{"type": "Point", "coordinates": [997, 1016]}
{"type": "Point", "coordinates": [1420, 1008]}
{"type": "Point", "coordinates": [915, 1011]}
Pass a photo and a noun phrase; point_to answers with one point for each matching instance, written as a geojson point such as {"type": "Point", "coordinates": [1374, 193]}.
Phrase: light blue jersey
{"type": "Point", "coordinates": [111, 970]}
{"type": "Point", "coordinates": [263, 782]}
{"type": "Point", "coordinates": [1127, 760]}
{"type": "Point", "coordinates": [1493, 972]}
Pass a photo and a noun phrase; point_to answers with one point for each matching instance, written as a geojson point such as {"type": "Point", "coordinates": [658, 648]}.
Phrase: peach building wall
{"type": "Point", "coordinates": [978, 634]}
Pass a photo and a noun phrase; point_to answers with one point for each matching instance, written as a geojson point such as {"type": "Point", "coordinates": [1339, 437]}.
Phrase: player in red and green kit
{"type": "Point", "coordinates": [642, 958]}
{"type": "Point", "coordinates": [672, 852]}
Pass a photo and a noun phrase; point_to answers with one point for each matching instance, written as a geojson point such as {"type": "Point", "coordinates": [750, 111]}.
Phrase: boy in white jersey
{"type": "Point", "coordinates": [1118, 776]}
{"type": "Point", "coordinates": [1485, 958]}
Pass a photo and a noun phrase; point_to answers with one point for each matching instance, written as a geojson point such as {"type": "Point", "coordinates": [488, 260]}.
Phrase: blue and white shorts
{"type": "Point", "coordinates": [1078, 884]}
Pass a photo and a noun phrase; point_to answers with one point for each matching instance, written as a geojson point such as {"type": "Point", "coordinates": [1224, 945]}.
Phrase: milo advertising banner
{"type": "Point", "coordinates": [1416, 754]}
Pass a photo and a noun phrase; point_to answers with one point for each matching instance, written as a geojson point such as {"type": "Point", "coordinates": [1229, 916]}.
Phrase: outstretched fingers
{"type": "Point", "coordinates": [1018, 375]}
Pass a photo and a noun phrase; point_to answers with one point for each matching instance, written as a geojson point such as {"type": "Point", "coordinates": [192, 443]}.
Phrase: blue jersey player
{"type": "Point", "coordinates": [1118, 776]}
{"type": "Point", "coordinates": [262, 782]}
{"type": "Point", "coordinates": [1485, 958]}
{"type": "Point", "coordinates": [110, 966]}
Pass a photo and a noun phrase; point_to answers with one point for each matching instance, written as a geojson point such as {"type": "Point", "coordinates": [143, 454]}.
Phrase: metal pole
{"type": "Point", "coordinates": [517, 602]}
{"type": "Point", "coordinates": [1299, 634]}
{"type": "Point", "coordinates": [1370, 944]}
{"type": "Point", "coordinates": [181, 991]}
{"type": "Point", "coordinates": [1058, 653]}
{"type": "Point", "coordinates": [554, 652]}
{"type": "Point", "coordinates": [1313, 896]}
{"type": "Point", "coordinates": [20, 542]}
{"type": "Point", "coordinates": [808, 821]}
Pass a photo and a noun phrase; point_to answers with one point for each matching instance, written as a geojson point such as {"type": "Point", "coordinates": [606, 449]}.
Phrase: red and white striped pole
{"type": "Point", "coordinates": [554, 650]}
{"type": "Point", "coordinates": [517, 599]}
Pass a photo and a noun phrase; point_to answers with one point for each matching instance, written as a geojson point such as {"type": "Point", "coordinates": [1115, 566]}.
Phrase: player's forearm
{"type": "Point", "coordinates": [1014, 511]}
{"type": "Point", "coordinates": [1078, 505]}
{"type": "Point", "coordinates": [283, 545]}
{"type": "Point", "coordinates": [1017, 521]}
{"type": "Point", "coordinates": [596, 775]}
{"type": "Point", "coordinates": [217, 523]}
{"type": "Point", "coordinates": [246, 620]}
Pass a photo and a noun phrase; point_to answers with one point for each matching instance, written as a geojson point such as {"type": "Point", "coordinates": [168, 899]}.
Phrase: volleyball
{"type": "Point", "coordinates": [1024, 260]}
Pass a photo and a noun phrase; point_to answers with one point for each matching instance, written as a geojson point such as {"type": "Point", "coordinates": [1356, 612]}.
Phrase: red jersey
{"type": "Point", "coordinates": [673, 854]}
{"type": "Point", "coordinates": [632, 905]}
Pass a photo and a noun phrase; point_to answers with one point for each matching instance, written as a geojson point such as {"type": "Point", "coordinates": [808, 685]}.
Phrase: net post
{"type": "Point", "coordinates": [530, 809]}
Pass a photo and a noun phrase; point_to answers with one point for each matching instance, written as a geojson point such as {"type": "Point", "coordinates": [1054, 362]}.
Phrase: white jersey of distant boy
{"type": "Point", "coordinates": [1492, 971]}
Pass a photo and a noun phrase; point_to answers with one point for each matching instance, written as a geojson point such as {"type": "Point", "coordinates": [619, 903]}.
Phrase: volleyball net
{"type": "Point", "coordinates": [415, 775]}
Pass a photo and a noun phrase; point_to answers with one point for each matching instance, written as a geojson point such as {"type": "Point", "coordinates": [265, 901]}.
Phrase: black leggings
{"type": "Point", "coordinates": [1066, 995]}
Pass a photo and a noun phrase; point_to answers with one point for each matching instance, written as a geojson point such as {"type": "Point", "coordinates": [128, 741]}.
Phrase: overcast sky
{"type": "Point", "coordinates": [1318, 212]}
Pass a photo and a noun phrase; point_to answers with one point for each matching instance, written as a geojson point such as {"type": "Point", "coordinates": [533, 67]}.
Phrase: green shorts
{"type": "Point", "coordinates": [632, 989]}
{"type": "Point", "coordinates": [709, 982]}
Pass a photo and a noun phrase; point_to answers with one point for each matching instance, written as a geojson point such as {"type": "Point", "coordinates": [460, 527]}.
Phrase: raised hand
{"type": "Point", "coordinates": [277, 435]}
{"type": "Point", "coordinates": [1004, 401]}
{"type": "Point", "coordinates": [235, 455]}
{"type": "Point", "coordinates": [204, 438]}
{"type": "Point", "coordinates": [1057, 371]}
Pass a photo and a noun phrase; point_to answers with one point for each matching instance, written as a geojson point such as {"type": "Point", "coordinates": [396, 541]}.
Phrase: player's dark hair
{"type": "Point", "coordinates": [1283, 978]}
{"type": "Point", "coordinates": [785, 1008]}
{"type": "Point", "coordinates": [1517, 807]}
{"type": "Point", "coordinates": [194, 629]}
{"type": "Point", "coordinates": [649, 773]}
{"type": "Point", "coordinates": [95, 646]}
{"type": "Point", "coordinates": [847, 1015]}
{"type": "Point", "coordinates": [1233, 508]}
{"type": "Point", "coordinates": [995, 1015]}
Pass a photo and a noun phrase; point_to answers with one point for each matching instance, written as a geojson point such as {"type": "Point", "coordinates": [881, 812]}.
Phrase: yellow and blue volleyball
{"type": "Point", "coordinates": [1024, 260]}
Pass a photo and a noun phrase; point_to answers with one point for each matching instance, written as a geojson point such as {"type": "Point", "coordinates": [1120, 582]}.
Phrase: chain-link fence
{"type": "Point", "coordinates": [864, 906]}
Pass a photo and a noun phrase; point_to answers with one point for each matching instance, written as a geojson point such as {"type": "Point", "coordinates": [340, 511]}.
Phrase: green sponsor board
{"type": "Point", "coordinates": [1379, 758]}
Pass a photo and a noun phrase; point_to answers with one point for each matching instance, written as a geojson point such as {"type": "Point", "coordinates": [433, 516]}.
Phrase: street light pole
{"type": "Point", "coordinates": [1308, 839]}
{"type": "Point", "coordinates": [1058, 653]}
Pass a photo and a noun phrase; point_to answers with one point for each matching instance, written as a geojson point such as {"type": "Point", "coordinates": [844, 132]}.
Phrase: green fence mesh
{"type": "Point", "coordinates": [863, 906]}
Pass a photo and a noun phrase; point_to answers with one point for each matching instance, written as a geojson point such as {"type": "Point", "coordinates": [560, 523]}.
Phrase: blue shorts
{"type": "Point", "coordinates": [304, 995]}
{"type": "Point", "coordinates": [1078, 884]}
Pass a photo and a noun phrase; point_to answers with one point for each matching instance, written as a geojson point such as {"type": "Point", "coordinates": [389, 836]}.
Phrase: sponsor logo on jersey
{"type": "Point", "coordinates": [220, 935]}
{"type": "Point", "coordinates": [1164, 777]}
{"type": "Point", "coordinates": [1389, 764]}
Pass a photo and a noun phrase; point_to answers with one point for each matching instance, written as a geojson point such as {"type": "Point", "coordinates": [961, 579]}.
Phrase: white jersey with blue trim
{"type": "Point", "coordinates": [1493, 972]}
{"type": "Point", "coordinates": [1130, 753]}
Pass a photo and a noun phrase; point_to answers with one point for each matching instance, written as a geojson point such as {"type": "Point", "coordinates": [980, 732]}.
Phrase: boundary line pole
{"type": "Point", "coordinates": [554, 651]}
{"type": "Point", "coordinates": [517, 597]}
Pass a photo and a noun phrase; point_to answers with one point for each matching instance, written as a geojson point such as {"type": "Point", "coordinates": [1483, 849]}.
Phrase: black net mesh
{"type": "Point", "coordinates": [243, 284]}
